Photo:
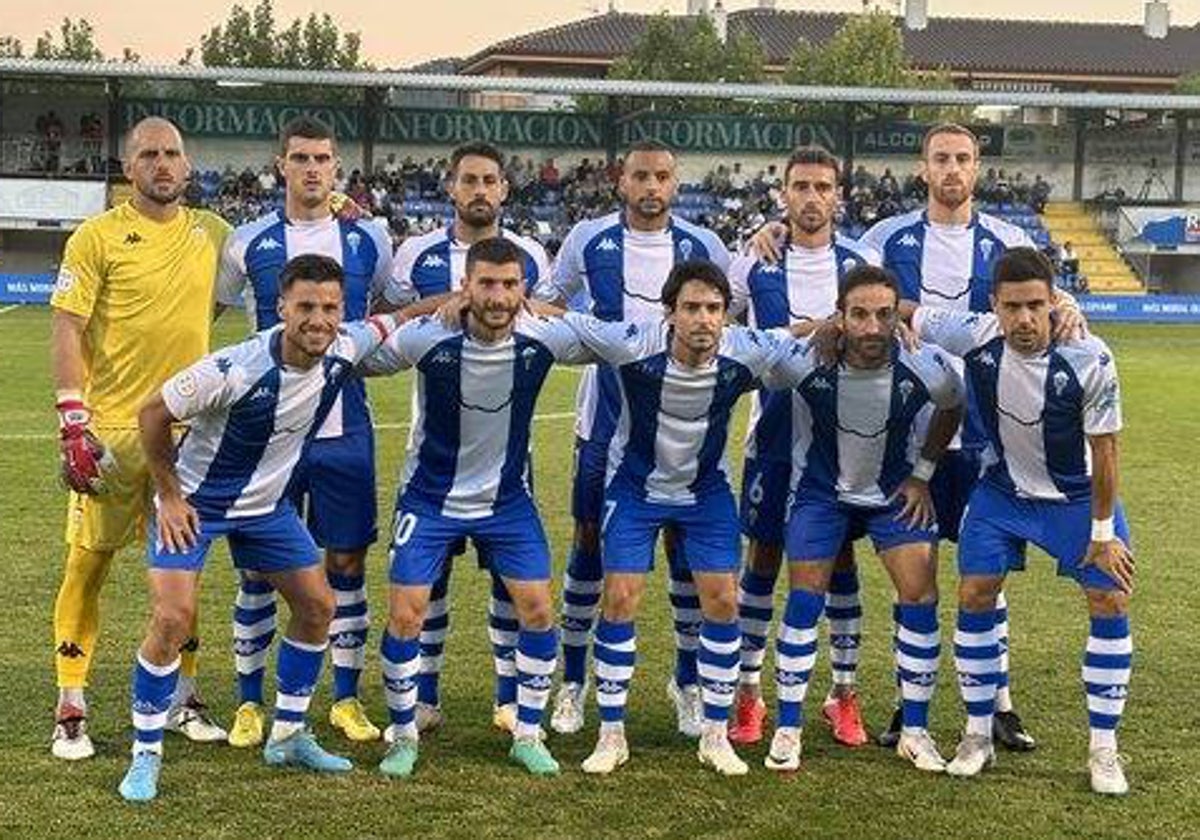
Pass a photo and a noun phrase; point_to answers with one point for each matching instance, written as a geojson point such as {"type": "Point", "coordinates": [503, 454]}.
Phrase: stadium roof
{"type": "Point", "coordinates": [963, 45]}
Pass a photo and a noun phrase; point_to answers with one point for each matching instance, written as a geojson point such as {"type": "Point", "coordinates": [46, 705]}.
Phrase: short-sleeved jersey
{"type": "Point", "coordinates": [146, 290]}
{"type": "Point", "coordinates": [435, 263]}
{"type": "Point", "coordinates": [673, 421]}
{"type": "Point", "coordinates": [1037, 409]}
{"type": "Point", "coordinates": [857, 435]}
{"type": "Point", "coordinates": [250, 416]}
{"type": "Point", "coordinates": [620, 272]}
{"type": "Point", "coordinates": [255, 255]}
{"type": "Point", "coordinates": [944, 265]}
{"type": "Point", "coordinates": [468, 448]}
{"type": "Point", "coordinates": [803, 286]}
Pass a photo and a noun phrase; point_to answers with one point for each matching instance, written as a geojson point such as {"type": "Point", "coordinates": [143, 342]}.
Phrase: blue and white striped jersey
{"type": "Point", "coordinates": [856, 435]}
{"type": "Point", "coordinates": [435, 263]}
{"type": "Point", "coordinates": [948, 266]}
{"type": "Point", "coordinates": [250, 416]}
{"type": "Point", "coordinates": [673, 420]}
{"type": "Point", "coordinates": [803, 286]}
{"type": "Point", "coordinates": [468, 446]}
{"type": "Point", "coordinates": [1037, 410]}
{"type": "Point", "coordinates": [255, 254]}
{"type": "Point", "coordinates": [620, 273]}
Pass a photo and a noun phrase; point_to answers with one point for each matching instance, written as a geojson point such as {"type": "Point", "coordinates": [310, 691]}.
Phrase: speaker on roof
{"type": "Point", "coordinates": [916, 14]}
{"type": "Point", "coordinates": [1158, 19]}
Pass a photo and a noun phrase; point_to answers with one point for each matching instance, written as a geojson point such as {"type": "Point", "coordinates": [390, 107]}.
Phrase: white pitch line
{"type": "Point", "coordinates": [9, 308]}
{"type": "Point", "coordinates": [386, 427]}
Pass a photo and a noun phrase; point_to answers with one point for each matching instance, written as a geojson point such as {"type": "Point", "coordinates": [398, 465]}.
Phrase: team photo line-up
{"type": "Point", "coordinates": [926, 382]}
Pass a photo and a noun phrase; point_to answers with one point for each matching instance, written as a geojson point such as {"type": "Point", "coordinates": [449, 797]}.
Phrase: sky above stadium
{"type": "Point", "coordinates": [398, 33]}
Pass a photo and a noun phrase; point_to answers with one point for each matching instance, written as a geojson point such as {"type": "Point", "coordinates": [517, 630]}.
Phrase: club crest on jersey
{"type": "Point", "coordinates": [905, 387]}
{"type": "Point", "coordinates": [985, 247]}
{"type": "Point", "coordinates": [686, 248]}
{"type": "Point", "coordinates": [1060, 382]}
{"type": "Point", "coordinates": [631, 331]}
{"type": "Point", "coordinates": [353, 238]}
{"type": "Point", "coordinates": [64, 281]}
{"type": "Point", "coordinates": [849, 264]}
{"type": "Point", "coordinates": [268, 244]}
{"type": "Point", "coordinates": [185, 384]}
{"type": "Point", "coordinates": [527, 356]}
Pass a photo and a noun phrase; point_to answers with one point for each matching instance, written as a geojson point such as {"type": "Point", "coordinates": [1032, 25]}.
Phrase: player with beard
{"type": "Point", "coordinates": [131, 308]}
{"type": "Point", "coordinates": [619, 262]}
{"type": "Point", "coordinates": [801, 289]}
{"type": "Point", "coordinates": [428, 267]}
{"type": "Point", "coordinates": [334, 485]}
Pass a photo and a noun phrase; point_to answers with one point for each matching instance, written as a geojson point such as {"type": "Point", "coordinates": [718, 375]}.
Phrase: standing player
{"type": "Point", "coordinates": [621, 261]}
{"type": "Point", "coordinates": [1052, 412]}
{"type": "Point", "coordinates": [678, 380]}
{"type": "Point", "coordinates": [426, 267]}
{"type": "Point", "coordinates": [862, 466]}
{"type": "Point", "coordinates": [336, 477]}
{"type": "Point", "coordinates": [251, 409]}
{"type": "Point", "coordinates": [466, 475]}
{"type": "Point", "coordinates": [800, 290]}
{"type": "Point", "coordinates": [131, 307]}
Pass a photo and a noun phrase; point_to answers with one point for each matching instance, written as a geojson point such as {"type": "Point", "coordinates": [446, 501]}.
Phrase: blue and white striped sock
{"type": "Point", "coordinates": [796, 654]}
{"type": "Point", "coordinates": [1003, 696]}
{"type": "Point", "coordinates": [582, 585]}
{"type": "Point", "coordinates": [685, 611]}
{"type": "Point", "coordinates": [253, 631]}
{"type": "Point", "coordinates": [433, 639]}
{"type": "Point", "coordinates": [977, 661]}
{"type": "Point", "coordinates": [297, 671]}
{"type": "Point", "coordinates": [717, 662]}
{"type": "Point", "coordinates": [401, 659]}
{"type": "Point", "coordinates": [503, 631]}
{"type": "Point", "coordinates": [348, 633]}
{"type": "Point", "coordinates": [843, 608]}
{"type": "Point", "coordinates": [153, 688]}
{"type": "Point", "coordinates": [918, 647]}
{"type": "Point", "coordinates": [537, 652]}
{"type": "Point", "coordinates": [615, 655]}
{"type": "Point", "coordinates": [755, 608]}
{"type": "Point", "coordinates": [1107, 663]}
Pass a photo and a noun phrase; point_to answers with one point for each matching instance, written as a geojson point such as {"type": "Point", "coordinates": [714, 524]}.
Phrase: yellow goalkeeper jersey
{"type": "Point", "coordinates": [146, 288]}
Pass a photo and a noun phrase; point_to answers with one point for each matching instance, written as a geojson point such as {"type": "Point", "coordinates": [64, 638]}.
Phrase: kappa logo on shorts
{"type": "Point", "coordinates": [70, 650]}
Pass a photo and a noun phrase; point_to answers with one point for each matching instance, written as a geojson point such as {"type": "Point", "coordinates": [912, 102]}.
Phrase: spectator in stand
{"type": "Point", "coordinates": [549, 175]}
{"type": "Point", "coordinates": [1039, 194]}
{"type": "Point", "coordinates": [266, 180]}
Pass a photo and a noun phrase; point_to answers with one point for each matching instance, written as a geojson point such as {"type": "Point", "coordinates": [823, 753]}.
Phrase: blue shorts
{"type": "Point", "coordinates": [334, 483]}
{"type": "Point", "coordinates": [998, 526]}
{"type": "Point", "coordinates": [274, 542]}
{"type": "Point", "coordinates": [818, 528]}
{"type": "Point", "coordinates": [587, 490]}
{"type": "Point", "coordinates": [511, 541]}
{"type": "Point", "coordinates": [956, 475]}
{"type": "Point", "coordinates": [706, 540]}
{"type": "Point", "coordinates": [765, 489]}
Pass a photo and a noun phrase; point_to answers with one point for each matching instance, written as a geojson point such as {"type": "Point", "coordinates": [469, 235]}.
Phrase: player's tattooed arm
{"type": "Point", "coordinates": [1106, 550]}
{"type": "Point", "coordinates": [176, 521]}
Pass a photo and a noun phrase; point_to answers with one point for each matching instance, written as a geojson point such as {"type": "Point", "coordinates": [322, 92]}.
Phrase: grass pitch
{"type": "Point", "coordinates": [466, 788]}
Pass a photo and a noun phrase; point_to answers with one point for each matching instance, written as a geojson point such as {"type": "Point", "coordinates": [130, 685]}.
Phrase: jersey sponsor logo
{"type": "Point", "coordinates": [1060, 380]}
{"type": "Point", "coordinates": [607, 244]}
{"type": "Point", "coordinates": [433, 261]}
{"type": "Point", "coordinates": [64, 281]}
{"type": "Point", "coordinates": [133, 238]}
{"type": "Point", "coordinates": [909, 241]}
{"type": "Point", "coordinates": [185, 385]}
{"type": "Point", "coordinates": [268, 244]}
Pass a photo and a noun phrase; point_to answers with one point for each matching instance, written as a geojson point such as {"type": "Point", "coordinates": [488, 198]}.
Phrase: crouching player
{"type": "Point", "coordinates": [466, 476]}
{"type": "Point", "coordinates": [1052, 412]}
{"type": "Point", "coordinates": [251, 408]}
{"type": "Point", "coordinates": [857, 471]}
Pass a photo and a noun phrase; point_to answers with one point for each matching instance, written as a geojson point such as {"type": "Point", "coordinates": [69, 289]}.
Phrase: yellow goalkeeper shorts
{"type": "Point", "coordinates": [119, 516]}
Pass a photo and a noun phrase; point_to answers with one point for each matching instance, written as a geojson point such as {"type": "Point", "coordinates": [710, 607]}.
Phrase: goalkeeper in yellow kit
{"type": "Point", "coordinates": [132, 307]}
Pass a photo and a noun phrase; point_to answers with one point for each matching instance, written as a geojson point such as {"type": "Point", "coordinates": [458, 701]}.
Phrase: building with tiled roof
{"type": "Point", "coordinates": [979, 53]}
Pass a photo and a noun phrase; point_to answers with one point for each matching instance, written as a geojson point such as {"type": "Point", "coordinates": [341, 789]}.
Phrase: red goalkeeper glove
{"type": "Point", "coordinates": [84, 458]}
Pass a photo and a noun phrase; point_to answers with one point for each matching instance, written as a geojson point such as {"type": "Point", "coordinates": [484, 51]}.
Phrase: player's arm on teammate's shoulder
{"type": "Point", "coordinates": [400, 350]}
{"type": "Point", "coordinates": [1069, 321]}
{"type": "Point", "coordinates": [767, 243]}
{"type": "Point", "coordinates": [955, 332]}
{"type": "Point", "coordinates": [615, 342]}
{"type": "Point", "coordinates": [792, 359]}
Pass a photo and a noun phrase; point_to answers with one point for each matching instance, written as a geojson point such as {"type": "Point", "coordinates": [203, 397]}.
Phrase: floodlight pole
{"type": "Point", "coordinates": [1181, 124]}
{"type": "Point", "coordinates": [848, 134]}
